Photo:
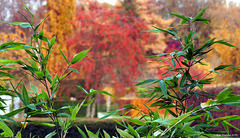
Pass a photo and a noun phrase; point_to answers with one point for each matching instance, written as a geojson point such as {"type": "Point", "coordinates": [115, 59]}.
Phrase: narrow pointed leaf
{"type": "Point", "coordinates": [163, 88]}
{"type": "Point", "coordinates": [78, 57]}
{"type": "Point", "coordinates": [7, 132]}
{"type": "Point", "coordinates": [50, 135]}
{"type": "Point", "coordinates": [35, 29]}
{"type": "Point", "coordinates": [199, 15]}
{"type": "Point", "coordinates": [181, 16]}
{"type": "Point", "coordinates": [74, 70]}
{"type": "Point", "coordinates": [124, 134]}
{"type": "Point", "coordinates": [64, 56]}
{"type": "Point", "coordinates": [29, 12]}
{"type": "Point", "coordinates": [22, 24]}
{"type": "Point", "coordinates": [81, 132]}
{"type": "Point", "coordinates": [94, 92]}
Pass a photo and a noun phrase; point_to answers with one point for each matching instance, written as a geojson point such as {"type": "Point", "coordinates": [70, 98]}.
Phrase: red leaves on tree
{"type": "Point", "coordinates": [116, 41]}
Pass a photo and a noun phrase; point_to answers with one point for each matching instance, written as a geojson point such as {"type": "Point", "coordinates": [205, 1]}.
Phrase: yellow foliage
{"type": "Point", "coordinates": [109, 90]}
{"type": "Point", "coordinates": [140, 108]}
{"type": "Point", "coordinates": [16, 35]}
{"type": "Point", "coordinates": [226, 55]}
{"type": "Point", "coordinates": [61, 12]}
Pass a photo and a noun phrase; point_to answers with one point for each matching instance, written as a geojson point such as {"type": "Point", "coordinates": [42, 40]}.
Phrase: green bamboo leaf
{"type": "Point", "coordinates": [199, 15]}
{"type": "Point", "coordinates": [78, 57]}
{"type": "Point", "coordinates": [29, 12]}
{"type": "Point", "coordinates": [133, 132]}
{"type": "Point", "coordinates": [110, 113]}
{"type": "Point", "coordinates": [203, 20]}
{"type": "Point", "coordinates": [33, 64]}
{"type": "Point", "coordinates": [207, 44]}
{"type": "Point", "coordinates": [22, 24]}
{"type": "Point", "coordinates": [81, 132]}
{"type": "Point", "coordinates": [74, 70]}
{"type": "Point", "coordinates": [222, 67]}
{"type": "Point", "coordinates": [50, 135]}
{"type": "Point", "coordinates": [44, 95]}
{"type": "Point", "coordinates": [159, 55]}
{"type": "Point", "coordinates": [9, 61]}
{"type": "Point", "coordinates": [63, 115]}
{"type": "Point", "coordinates": [64, 56]}
{"type": "Point", "coordinates": [19, 95]}
{"type": "Point", "coordinates": [32, 106]}
{"type": "Point", "coordinates": [31, 54]}
{"type": "Point", "coordinates": [224, 43]}
{"type": "Point", "coordinates": [52, 42]}
{"type": "Point", "coordinates": [98, 132]}
{"type": "Point", "coordinates": [172, 113]}
{"type": "Point", "coordinates": [225, 126]}
{"type": "Point", "coordinates": [43, 38]}
{"type": "Point", "coordinates": [231, 125]}
{"type": "Point", "coordinates": [81, 88]}
{"type": "Point", "coordinates": [14, 112]}
{"type": "Point", "coordinates": [231, 98]}
{"type": "Point", "coordinates": [224, 94]}
{"type": "Point", "coordinates": [163, 88]}
{"type": "Point", "coordinates": [181, 16]}
{"type": "Point", "coordinates": [90, 134]}
{"type": "Point", "coordinates": [35, 29]}
{"type": "Point", "coordinates": [171, 32]}
{"type": "Point", "coordinates": [184, 91]}
{"type": "Point", "coordinates": [39, 74]}
{"type": "Point", "coordinates": [124, 134]}
{"type": "Point", "coordinates": [148, 81]}
{"type": "Point", "coordinates": [184, 21]}
{"type": "Point", "coordinates": [183, 80]}
{"type": "Point", "coordinates": [186, 125]}
{"type": "Point", "coordinates": [54, 81]}
{"type": "Point", "coordinates": [25, 95]}
{"type": "Point", "coordinates": [92, 92]}
{"type": "Point", "coordinates": [40, 123]}
{"type": "Point", "coordinates": [75, 111]}
{"type": "Point", "coordinates": [34, 88]}
{"type": "Point", "coordinates": [89, 102]}
{"type": "Point", "coordinates": [8, 118]}
{"type": "Point", "coordinates": [7, 68]}
{"type": "Point", "coordinates": [137, 121]}
{"type": "Point", "coordinates": [106, 135]}
{"type": "Point", "coordinates": [7, 132]}
{"type": "Point", "coordinates": [14, 45]}
{"type": "Point", "coordinates": [4, 74]}
{"type": "Point", "coordinates": [173, 61]}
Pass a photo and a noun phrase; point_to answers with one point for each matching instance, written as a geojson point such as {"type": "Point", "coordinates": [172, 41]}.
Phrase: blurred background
{"type": "Point", "coordinates": [114, 30]}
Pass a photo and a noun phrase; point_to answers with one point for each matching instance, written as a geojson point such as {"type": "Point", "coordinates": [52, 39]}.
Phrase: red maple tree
{"type": "Point", "coordinates": [116, 39]}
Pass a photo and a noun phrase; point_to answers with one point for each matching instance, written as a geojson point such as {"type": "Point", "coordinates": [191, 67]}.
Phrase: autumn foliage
{"type": "Point", "coordinates": [116, 41]}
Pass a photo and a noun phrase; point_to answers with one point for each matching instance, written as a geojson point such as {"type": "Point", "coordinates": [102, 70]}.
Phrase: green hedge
{"type": "Point", "coordinates": [41, 131]}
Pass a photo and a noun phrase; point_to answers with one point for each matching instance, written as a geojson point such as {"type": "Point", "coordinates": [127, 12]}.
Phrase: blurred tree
{"type": "Point", "coordinates": [223, 55]}
{"type": "Point", "coordinates": [147, 10]}
{"type": "Point", "coordinates": [61, 12]}
{"type": "Point", "coordinates": [225, 24]}
{"type": "Point", "coordinates": [116, 40]}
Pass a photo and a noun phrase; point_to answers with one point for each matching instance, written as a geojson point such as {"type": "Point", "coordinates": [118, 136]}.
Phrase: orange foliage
{"type": "Point", "coordinates": [140, 108]}
{"type": "Point", "coordinates": [61, 12]}
{"type": "Point", "coordinates": [226, 55]}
